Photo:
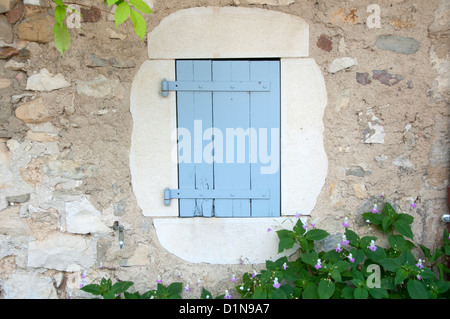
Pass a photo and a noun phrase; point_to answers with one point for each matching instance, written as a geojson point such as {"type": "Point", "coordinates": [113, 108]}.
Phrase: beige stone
{"type": "Point", "coordinates": [360, 190]}
{"type": "Point", "coordinates": [36, 28]}
{"type": "Point", "coordinates": [212, 32]}
{"type": "Point", "coordinates": [6, 5]}
{"type": "Point", "coordinates": [5, 83]}
{"type": "Point", "coordinates": [33, 112]}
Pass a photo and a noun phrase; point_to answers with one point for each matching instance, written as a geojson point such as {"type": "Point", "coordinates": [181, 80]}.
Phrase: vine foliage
{"type": "Point", "coordinates": [131, 9]}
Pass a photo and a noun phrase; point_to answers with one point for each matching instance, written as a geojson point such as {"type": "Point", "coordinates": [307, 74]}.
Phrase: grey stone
{"type": "Point", "coordinates": [398, 44]}
{"type": "Point", "coordinates": [45, 81]}
{"type": "Point", "coordinates": [367, 206]}
{"type": "Point", "coordinates": [83, 218]}
{"type": "Point", "coordinates": [386, 78]}
{"type": "Point", "coordinates": [341, 64]}
{"type": "Point", "coordinates": [21, 285]}
{"type": "Point", "coordinates": [357, 171]}
{"type": "Point", "coordinates": [6, 31]}
{"type": "Point", "coordinates": [18, 199]}
{"type": "Point", "coordinates": [374, 134]}
{"type": "Point", "coordinates": [63, 252]}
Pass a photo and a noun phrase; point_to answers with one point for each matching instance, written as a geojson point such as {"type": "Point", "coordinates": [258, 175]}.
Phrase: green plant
{"type": "Point", "coordinates": [347, 270]}
{"type": "Point", "coordinates": [114, 291]}
{"type": "Point", "coordinates": [125, 9]}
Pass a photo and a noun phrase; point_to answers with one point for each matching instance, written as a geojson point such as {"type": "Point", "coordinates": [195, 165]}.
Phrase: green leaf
{"type": "Point", "coordinates": [310, 292]}
{"type": "Point", "coordinates": [105, 284]}
{"type": "Point", "coordinates": [61, 36]}
{"type": "Point", "coordinates": [298, 227]}
{"type": "Point", "coordinates": [403, 228]}
{"type": "Point", "coordinates": [122, 13]}
{"type": "Point", "coordinates": [375, 219]}
{"type": "Point", "coordinates": [336, 275]}
{"type": "Point", "coordinates": [121, 286]}
{"type": "Point", "coordinates": [111, 2]}
{"type": "Point", "coordinates": [426, 251]}
{"type": "Point", "coordinates": [277, 294]}
{"type": "Point", "coordinates": [388, 210]}
{"type": "Point", "coordinates": [175, 288]}
{"type": "Point", "coordinates": [416, 290]}
{"type": "Point", "coordinates": [325, 289]}
{"type": "Point", "coordinates": [92, 289]}
{"type": "Point", "coordinates": [347, 293]}
{"type": "Point", "coordinates": [438, 253]}
{"type": "Point", "coordinates": [260, 293]}
{"type": "Point", "coordinates": [360, 293]}
{"type": "Point", "coordinates": [109, 295]}
{"type": "Point", "coordinates": [377, 255]}
{"type": "Point", "coordinates": [400, 276]}
{"type": "Point", "coordinates": [140, 27]}
{"type": "Point", "coordinates": [386, 223]}
{"type": "Point", "coordinates": [285, 243]}
{"type": "Point", "coordinates": [379, 293]}
{"type": "Point", "coordinates": [391, 264]}
{"type": "Point", "coordinates": [316, 234]}
{"type": "Point", "coordinates": [406, 218]}
{"type": "Point", "coordinates": [206, 294]}
{"type": "Point", "coordinates": [397, 242]}
{"type": "Point", "coordinates": [310, 258]}
{"type": "Point", "coordinates": [60, 14]}
{"type": "Point", "coordinates": [352, 237]}
{"type": "Point", "coordinates": [141, 6]}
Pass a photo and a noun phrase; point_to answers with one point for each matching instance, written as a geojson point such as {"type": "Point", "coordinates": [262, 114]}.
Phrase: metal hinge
{"type": "Point", "coordinates": [215, 194]}
{"type": "Point", "coordinates": [199, 86]}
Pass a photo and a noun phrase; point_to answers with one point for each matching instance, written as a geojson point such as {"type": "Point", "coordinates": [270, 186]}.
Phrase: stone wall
{"type": "Point", "coordinates": [65, 134]}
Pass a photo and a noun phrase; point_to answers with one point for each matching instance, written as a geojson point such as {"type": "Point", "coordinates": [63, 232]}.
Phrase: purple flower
{"type": "Point", "coordinates": [269, 229]}
{"type": "Point", "coordinates": [318, 265]}
{"type": "Point", "coordinates": [254, 273]}
{"type": "Point", "coordinates": [199, 281]}
{"type": "Point", "coordinates": [338, 248]}
{"type": "Point", "coordinates": [297, 215]}
{"type": "Point", "coordinates": [345, 222]}
{"type": "Point", "coordinates": [285, 266]}
{"type": "Point", "coordinates": [419, 264]}
{"type": "Point", "coordinates": [179, 274]}
{"type": "Point", "coordinates": [350, 257]}
{"type": "Point", "coordinates": [233, 278]}
{"type": "Point", "coordinates": [344, 241]}
{"type": "Point", "coordinates": [419, 277]}
{"type": "Point", "coordinates": [413, 205]}
{"type": "Point", "coordinates": [187, 288]}
{"type": "Point", "coordinates": [276, 284]}
{"type": "Point", "coordinates": [375, 209]}
{"type": "Point", "coordinates": [159, 280]}
{"type": "Point", "coordinates": [313, 225]}
{"type": "Point", "coordinates": [305, 226]}
{"type": "Point", "coordinates": [372, 246]}
{"type": "Point", "coordinates": [227, 295]}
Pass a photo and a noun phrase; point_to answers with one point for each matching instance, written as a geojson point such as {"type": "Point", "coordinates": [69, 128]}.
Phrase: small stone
{"type": "Point", "coordinates": [341, 64]}
{"type": "Point", "coordinates": [360, 190]}
{"type": "Point", "coordinates": [374, 134]}
{"type": "Point", "coordinates": [7, 52]}
{"type": "Point", "coordinates": [40, 3]}
{"type": "Point", "coordinates": [33, 112]}
{"type": "Point", "coordinates": [24, 285]}
{"type": "Point", "coordinates": [6, 31]}
{"type": "Point", "coordinates": [398, 44]}
{"type": "Point", "coordinates": [45, 81]}
{"type": "Point", "coordinates": [91, 15]}
{"type": "Point", "coordinates": [15, 65]}
{"type": "Point", "coordinates": [18, 199]}
{"type": "Point", "coordinates": [5, 83]}
{"type": "Point", "coordinates": [36, 28]}
{"type": "Point", "coordinates": [6, 5]}
{"type": "Point", "coordinates": [386, 78]}
{"type": "Point", "coordinates": [325, 43]}
{"type": "Point", "coordinates": [15, 14]}
{"type": "Point", "coordinates": [363, 78]}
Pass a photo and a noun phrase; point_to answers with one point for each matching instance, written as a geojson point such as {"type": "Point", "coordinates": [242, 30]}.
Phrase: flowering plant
{"type": "Point", "coordinates": [346, 271]}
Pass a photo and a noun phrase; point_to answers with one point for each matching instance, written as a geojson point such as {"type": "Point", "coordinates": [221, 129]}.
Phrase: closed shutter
{"type": "Point", "coordinates": [228, 138]}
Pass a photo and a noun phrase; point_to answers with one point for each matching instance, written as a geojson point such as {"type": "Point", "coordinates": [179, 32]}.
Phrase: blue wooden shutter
{"type": "Point", "coordinates": [230, 116]}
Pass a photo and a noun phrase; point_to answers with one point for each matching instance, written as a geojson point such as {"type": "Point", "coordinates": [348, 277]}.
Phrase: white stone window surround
{"type": "Point", "coordinates": [214, 33]}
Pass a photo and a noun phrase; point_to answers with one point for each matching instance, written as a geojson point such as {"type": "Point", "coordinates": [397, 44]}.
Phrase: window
{"type": "Point", "coordinates": [228, 120]}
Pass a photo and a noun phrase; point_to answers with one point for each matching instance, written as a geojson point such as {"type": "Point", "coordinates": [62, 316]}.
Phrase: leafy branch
{"type": "Point", "coordinates": [132, 9]}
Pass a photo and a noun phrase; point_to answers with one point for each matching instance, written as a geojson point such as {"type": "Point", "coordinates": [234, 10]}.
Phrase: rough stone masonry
{"type": "Point", "coordinates": [65, 129]}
